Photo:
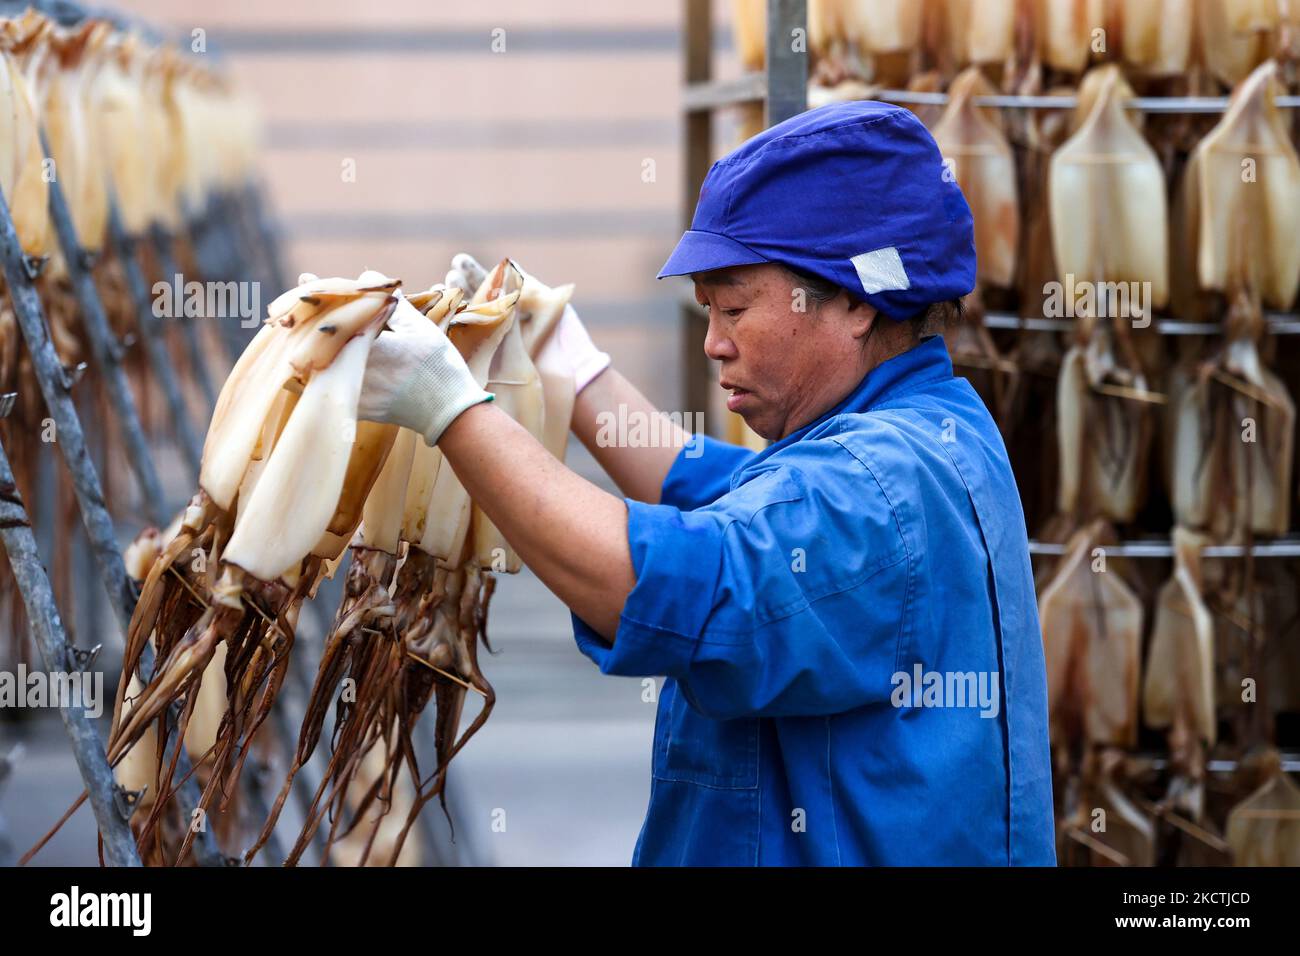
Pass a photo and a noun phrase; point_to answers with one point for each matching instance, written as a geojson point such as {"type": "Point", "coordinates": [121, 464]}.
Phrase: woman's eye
{"type": "Point", "coordinates": [732, 313]}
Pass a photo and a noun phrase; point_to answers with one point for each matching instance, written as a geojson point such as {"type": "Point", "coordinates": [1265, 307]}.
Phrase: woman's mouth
{"type": "Point", "coordinates": [737, 397]}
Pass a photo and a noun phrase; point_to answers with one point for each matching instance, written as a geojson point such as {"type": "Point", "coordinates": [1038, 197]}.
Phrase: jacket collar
{"type": "Point", "coordinates": [925, 363]}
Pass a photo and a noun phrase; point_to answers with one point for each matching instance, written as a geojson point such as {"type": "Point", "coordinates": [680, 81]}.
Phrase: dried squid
{"type": "Point", "coordinates": [253, 542]}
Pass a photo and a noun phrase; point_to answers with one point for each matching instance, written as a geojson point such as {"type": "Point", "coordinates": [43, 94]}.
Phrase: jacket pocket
{"type": "Point", "coordinates": [722, 754]}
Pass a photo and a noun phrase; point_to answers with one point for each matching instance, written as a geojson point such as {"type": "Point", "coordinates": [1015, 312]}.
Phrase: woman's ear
{"type": "Point", "coordinates": [862, 318]}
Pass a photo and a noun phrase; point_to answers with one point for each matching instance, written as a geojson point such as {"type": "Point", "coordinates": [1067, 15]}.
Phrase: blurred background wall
{"type": "Point", "coordinates": [541, 151]}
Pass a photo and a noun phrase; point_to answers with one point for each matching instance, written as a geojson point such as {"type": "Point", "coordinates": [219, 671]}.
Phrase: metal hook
{"type": "Point", "coordinates": [71, 376]}
{"type": "Point", "coordinates": [34, 265]}
{"type": "Point", "coordinates": [83, 659]}
{"type": "Point", "coordinates": [127, 800]}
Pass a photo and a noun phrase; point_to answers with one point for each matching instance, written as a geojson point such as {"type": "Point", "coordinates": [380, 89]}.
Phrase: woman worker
{"type": "Point", "coordinates": [846, 621]}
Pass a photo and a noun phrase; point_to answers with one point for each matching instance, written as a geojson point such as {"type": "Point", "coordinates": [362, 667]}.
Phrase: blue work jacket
{"type": "Point", "coordinates": [847, 626]}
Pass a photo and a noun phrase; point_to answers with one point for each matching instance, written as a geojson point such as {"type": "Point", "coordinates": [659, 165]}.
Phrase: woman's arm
{"type": "Point", "coordinates": [572, 534]}
{"type": "Point", "coordinates": [639, 472]}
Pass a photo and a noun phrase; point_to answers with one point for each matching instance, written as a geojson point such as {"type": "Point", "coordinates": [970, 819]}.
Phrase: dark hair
{"type": "Point", "coordinates": [933, 320]}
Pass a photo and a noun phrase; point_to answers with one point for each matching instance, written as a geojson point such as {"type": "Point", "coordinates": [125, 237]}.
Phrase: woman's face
{"type": "Point", "coordinates": [786, 359]}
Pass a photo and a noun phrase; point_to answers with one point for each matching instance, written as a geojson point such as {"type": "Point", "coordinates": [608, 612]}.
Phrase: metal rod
{"type": "Point", "coordinates": [1279, 323]}
{"type": "Point", "coordinates": [107, 352]}
{"type": "Point", "coordinates": [1290, 763]}
{"type": "Point", "coordinates": [704, 96]}
{"type": "Point", "coordinates": [162, 246]}
{"type": "Point", "coordinates": [1144, 104]}
{"type": "Point", "coordinates": [1162, 548]}
{"type": "Point", "coordinates": [38, 598]}
{"type": "Point", "coordinates": [752, 88]}
{"type": "Point", "coordinates": [152, 334]}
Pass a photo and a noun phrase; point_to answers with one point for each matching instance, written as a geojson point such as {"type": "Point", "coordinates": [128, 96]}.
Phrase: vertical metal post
{"type": "Point", "coordinates": [698, 143]}
{"type": "Point", "coordinates": [787, 68]}
{"type": "Point", "coordinates": [108, 354]}
{"type": "Point", "coordinates": [152, 334]}
{"type": "Point", "coordinates": [38, 597]}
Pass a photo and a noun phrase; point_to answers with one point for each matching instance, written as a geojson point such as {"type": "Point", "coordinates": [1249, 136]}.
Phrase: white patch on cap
{"type": "Point", "coordinates": [881, 271]}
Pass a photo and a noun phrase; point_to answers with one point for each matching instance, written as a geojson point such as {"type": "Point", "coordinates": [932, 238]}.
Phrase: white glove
{"type": "Point", "coordinates": [569, 345]}
{"type": "Point", "coordinates": [415, 377]}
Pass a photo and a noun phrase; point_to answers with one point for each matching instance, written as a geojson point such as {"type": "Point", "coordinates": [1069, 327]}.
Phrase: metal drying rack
{"type": "Point", "coordinates": [231, 245]}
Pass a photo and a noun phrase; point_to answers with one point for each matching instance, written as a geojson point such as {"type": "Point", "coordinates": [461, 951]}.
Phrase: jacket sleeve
{"type": "Point", "coordinates": [701, 473]}
{"type": "Point", "coordinates": [786, 597]}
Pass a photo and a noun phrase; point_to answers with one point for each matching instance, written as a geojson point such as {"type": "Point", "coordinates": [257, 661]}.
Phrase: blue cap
{"type": "Point", "coordinates": [855, 193]}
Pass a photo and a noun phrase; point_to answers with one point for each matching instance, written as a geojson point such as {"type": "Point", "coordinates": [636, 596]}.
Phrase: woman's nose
{"type": "Point", "coordinates": [717, 344]}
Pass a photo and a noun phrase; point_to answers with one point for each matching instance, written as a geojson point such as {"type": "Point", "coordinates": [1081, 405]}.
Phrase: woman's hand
{"type": "Point", "coordinates": [415, 377]}
{"type": "Point", "coordinates": [568, 346]}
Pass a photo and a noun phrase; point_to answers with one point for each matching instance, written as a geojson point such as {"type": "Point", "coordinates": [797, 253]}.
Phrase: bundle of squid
{"type": "Point", "coordinates": [979, 157]}
{"type": "Point", "coordinates": [1107, 202]}
{"type": "Point", "coordinates": [286, 470]}
{"type": "Point", "coordinates": [1072, 34]}
{"type": "Point", "coordinates": [1178, 692]}
{"type": "Point", "coordinates": [364, 644]}
{"type": "Point", "coordinates": [143, 149]}
{"type": "Point", "coordinates": [1158, 35]}
{"type": "Point", "coordinates": [1129, 835]}
{"type": "Point", "coordinates": [138, 771]}
{"type": "Point", "coordinates": [961, 33]}
{"type": "Point", "coordinates": [421, 576]}
{"type": "Point", "coordinates": [171, 136]}
{"type": "Point", "coordinates": [1237, 36]}
{"type": "Point", "coordinates": [180, 183]}
{"type": "Point", "coordinates": [1233, 430]}
{"type": "Point", "coordinates": [1234, 421]}
{"type": "Point", "coordinates": [1264, 828]}
{"type": "Point", "coordinates": [888, 37]}
{"type": "Point", "coordinates": [1092, 635]}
